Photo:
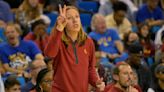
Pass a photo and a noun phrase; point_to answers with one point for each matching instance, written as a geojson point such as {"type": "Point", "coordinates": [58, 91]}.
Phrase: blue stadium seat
{"type": "Point", "coordinates": [91, 6]}
{"type": "Point", "coordinates": [52, 17]}
{"type": "Point", "coordinates": [85, 19]}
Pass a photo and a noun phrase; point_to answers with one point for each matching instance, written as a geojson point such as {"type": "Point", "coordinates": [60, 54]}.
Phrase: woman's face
{"type": "Point", "coordinates": [144, 31]}
{"type": "Point", "coordinates": [73, 20]}
{"type": "Point", "coordinates": [46, 82]}
{"type": "Point", "coordinates": [33, 3]}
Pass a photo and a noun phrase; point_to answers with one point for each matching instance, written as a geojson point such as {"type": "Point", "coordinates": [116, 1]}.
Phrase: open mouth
{"type": "Point", "coordinates": [11, 38]}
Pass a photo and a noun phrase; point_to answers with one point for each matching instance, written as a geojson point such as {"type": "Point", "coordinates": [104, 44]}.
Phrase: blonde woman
{"type": "Point", "coordinates": [73, 54]}
{"type": "Point", "coordinates": [28, 12]}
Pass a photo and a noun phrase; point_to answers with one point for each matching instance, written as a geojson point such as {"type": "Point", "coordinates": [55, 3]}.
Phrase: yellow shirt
{"type": "Point", "coordinates": [123, 28]}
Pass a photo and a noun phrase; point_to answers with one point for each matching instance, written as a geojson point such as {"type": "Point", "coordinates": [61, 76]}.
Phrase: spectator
{"type": "Point", "coordinates": [158, 86]}
{"type": "Point", "coordinates": [12, 84]}
{"type": "Point", "coordinates": [16, 53]}
{"type": "Point", "coordinates": [68, 45]}
{"type": "Point", "coordinates": [109, 43]}
{"type": "Point", "coordinates": [146, 42]}
{"type": "Point", "coordinates": [117, 19]}
{"type": "Point", "coordinates": [151, 14]}
{"type": "Point", "coordinates": [123, 77]}
{"type": "Point", "coordinates": [29, 11]}
{"type": "Point", "coordinates": [44, 80]}
{"type": "Point", "coordinates": [38, 34]}
{"type": "Point", "coordinates": [138, 65]}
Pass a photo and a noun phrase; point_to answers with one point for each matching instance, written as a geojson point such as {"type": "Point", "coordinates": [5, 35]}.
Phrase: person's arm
{"type": "Point", "coordinates": [94, 79]}
{"type": "Point", "coordinates": [119, 46]}
{"type": "Point", "coordinates": [54, 42]}
{"type": "Point", "coordinates": [13, 70]}
{"type": "Point", "coordinates": [155, 23]}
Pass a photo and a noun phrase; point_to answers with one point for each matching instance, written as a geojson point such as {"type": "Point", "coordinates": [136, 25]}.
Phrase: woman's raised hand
{"type": "Point", "coordinates": [61, 19]}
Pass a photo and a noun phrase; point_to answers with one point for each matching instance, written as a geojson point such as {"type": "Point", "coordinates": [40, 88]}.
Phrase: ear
{"type": "Point", "coordinates": [115, 77]}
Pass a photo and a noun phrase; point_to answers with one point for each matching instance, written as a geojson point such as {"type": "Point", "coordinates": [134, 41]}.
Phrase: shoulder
{"type": "Point", "coordinates": [4, 45]}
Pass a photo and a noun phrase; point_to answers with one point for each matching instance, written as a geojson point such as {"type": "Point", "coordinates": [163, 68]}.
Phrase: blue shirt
{"type": "Point", "coordinates": [106, 40]}
{"type": "Point", "coordinates": [2, 36]}
{"type": "Point", "coordinates": [144, 13]}
{"type": "Point", "coordinates": [27, 87]}
{"type": "Point", "coordinates": [5, 12]}
{"type": "Point", "coordinates": [20, 55]}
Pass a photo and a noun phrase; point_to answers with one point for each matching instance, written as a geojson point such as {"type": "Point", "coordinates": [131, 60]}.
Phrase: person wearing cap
{"type": "Point", "coordinates": [38, 34]}
{"type": "Point", "coordinates": [158, 85]}
{"type": "Point", "coordinates": [139, 66]}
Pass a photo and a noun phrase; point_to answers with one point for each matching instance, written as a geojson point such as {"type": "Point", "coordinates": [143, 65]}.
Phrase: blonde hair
{"type": "Point", "coordinates": [16, 26]}
{"type": "Point", "coordinates": [30, 12]}
{"type": "Point", "coordinates": [82, 36]}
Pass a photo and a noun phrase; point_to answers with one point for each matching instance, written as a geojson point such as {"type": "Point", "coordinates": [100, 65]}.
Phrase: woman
{"type": "Point", "coordinates": [73, 54]}
{"type": "Point", "coordinates": [28, 12]}
{"type": "Point", "coordinates": [43, 81]}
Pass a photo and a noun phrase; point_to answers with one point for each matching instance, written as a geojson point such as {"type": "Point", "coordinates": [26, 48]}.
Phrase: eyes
{"type": "Point", "coordinates": [73, 17]}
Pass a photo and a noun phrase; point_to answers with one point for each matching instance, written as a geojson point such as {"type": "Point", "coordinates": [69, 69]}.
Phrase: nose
{"type": "Point", "coordinates": [74, 19]}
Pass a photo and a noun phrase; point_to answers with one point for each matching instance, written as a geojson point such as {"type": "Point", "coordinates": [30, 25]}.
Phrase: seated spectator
{"type": "Point", "coordinates": [123, 79]}
{"type": "Point", "coordinates": [158, 86]}
{"type": "Point", "coordinates": [29, 11]}
{"type": "Point", "coordinates": [16, 53]}
{"type": "Point", "coordinates": [38, 34]}
{"type": "Point", "coordinates": [117, 19]}
{"type": "Point", "coordinates": [136, 62]}
{"type": "Point", "coordinates": [146, 42]}
{"type": "Point", "coordinates": [150, 14]}
{"type": "Point", "coordinates": [34, 69]}
{"type": "Point", "coordinates": [12, 84]}
{"type": "Point", "coordinates": [43, 81]}
{"type": "Point", "coordinates": [109, 43]}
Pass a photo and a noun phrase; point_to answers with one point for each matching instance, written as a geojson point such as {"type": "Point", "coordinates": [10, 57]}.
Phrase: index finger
{"type": "Point", "coordinates": [60, 9]}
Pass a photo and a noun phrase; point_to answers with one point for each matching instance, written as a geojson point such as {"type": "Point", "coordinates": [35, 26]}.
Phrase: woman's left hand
{"type": "Point", "coordinates": [100, 85]}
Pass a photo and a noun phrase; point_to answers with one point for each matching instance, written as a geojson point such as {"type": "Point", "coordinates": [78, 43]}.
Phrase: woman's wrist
{"type": "Point", "coordinates": [60, 27]}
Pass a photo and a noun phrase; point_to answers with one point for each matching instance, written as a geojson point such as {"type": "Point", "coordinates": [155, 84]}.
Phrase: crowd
{"type": "Point", "coordinates": [122, 50]}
